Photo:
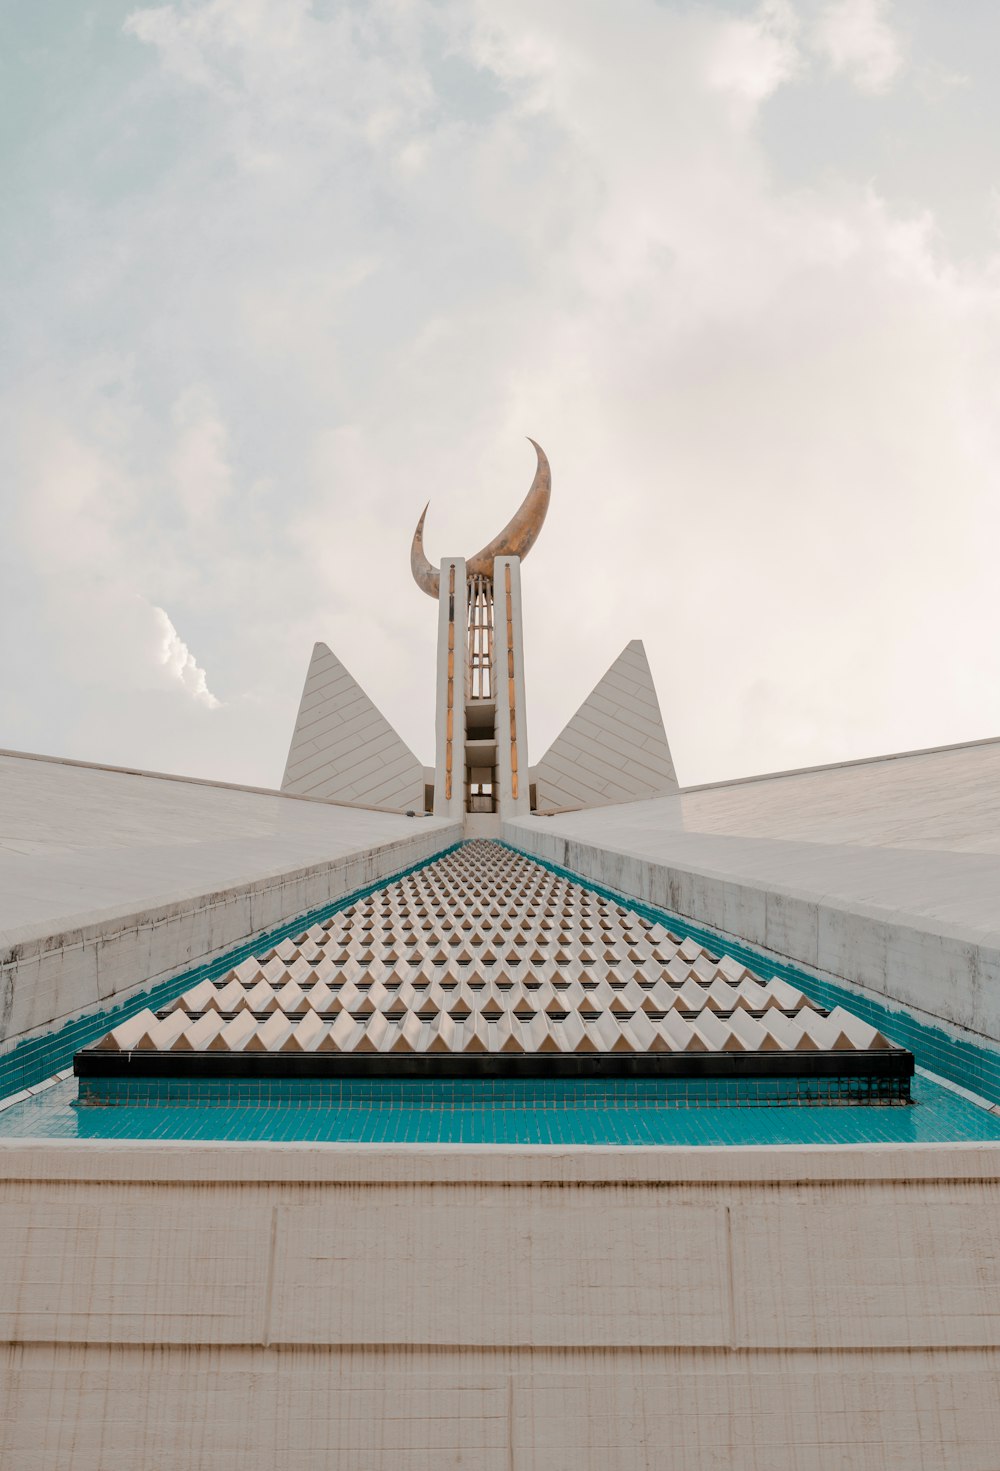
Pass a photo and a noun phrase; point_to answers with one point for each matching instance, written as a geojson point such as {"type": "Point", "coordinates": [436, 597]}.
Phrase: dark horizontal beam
{"type": "Point", "coordinates": [889, 1063]}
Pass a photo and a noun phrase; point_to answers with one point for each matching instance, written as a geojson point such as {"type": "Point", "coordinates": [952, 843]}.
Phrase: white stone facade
{"type": "Point", "coordinates": [615, 748]}
{"type": "Point", "coordinates": [406, 1309]}
{"type": "Point", "coordinates": [344, 750]}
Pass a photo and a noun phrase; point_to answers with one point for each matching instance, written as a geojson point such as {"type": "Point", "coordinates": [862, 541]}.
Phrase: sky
{"type": "Point", "coordinates": [274, 273]}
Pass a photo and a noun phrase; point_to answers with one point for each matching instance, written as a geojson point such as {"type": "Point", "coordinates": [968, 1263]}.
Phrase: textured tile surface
{"type": "Point", "coordinates": [615, 748]}
{"type": "Point", "coordinates": [485, 951]}
{"type": "Point", "coordinates": [343, 749]}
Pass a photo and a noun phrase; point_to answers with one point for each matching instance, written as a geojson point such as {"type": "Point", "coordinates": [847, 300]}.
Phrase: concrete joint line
{"type": "Point", "coordinates": [269, 1289]}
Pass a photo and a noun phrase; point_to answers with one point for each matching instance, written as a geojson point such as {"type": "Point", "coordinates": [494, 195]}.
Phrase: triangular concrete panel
{"type": "Point", "coordinates": [343, 748]}
{"type": "Point", "coordinates": [614, 749]}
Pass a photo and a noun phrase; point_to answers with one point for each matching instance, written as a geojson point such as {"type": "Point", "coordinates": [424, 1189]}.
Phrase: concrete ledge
{"type": "Point", "coordinates": [305, 1164]}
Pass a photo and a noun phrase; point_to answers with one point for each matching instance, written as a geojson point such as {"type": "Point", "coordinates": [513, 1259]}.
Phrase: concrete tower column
{"type": "Point", "coordinates": [511, 712]}
{"type": "Point", "coordinates": [449, 722]}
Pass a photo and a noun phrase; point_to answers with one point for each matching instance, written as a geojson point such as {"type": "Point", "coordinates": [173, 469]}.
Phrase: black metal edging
{"type": "Point", "coordinates": [894, 1063]}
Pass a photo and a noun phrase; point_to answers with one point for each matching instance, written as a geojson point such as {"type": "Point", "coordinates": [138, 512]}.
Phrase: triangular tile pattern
{"type": "Point", "coordinates": [343, 748]}
{"type": "Point", "coordinates": [485, 951]}
{"type": "Point", "coordinates": [615, 747]}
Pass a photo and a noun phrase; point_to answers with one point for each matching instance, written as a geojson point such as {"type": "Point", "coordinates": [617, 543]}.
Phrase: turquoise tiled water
{"type": "Point", "coordinates": [533, 1112]}
{"type": "Point", "coordinates": [524, 1111]}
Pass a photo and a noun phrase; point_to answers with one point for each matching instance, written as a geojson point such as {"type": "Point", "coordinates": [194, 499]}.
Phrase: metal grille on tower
{"type": "Point", "coordinates": [480, 703]}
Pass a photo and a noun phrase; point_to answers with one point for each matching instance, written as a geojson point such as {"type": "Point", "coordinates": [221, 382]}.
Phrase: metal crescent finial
{"type": "Point", "coordinates": [519, 535]}
{"type": "Point", "coordinates": [515, 540]}
{"type": "Point", "coordinates": [426, 577]}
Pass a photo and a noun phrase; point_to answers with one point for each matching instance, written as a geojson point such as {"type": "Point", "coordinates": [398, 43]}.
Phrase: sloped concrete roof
{"type": "Point", "coordinates": [81, 842]}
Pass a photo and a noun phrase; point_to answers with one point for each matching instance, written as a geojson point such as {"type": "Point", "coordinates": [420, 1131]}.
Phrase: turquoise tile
{"type": "Point", "coordinates": [544, 1111]}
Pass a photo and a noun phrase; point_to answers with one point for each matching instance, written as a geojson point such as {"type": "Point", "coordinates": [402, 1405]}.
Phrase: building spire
{"type": "Point", "coordinates": [515, 540]}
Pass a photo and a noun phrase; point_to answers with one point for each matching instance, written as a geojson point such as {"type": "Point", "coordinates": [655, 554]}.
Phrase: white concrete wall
{"type": "Point", "coordinates": [615, 748]}
{"type": "Point", "coordinates": [508, 666]}
{"type": "Point", "coordinates": [344, 750]}
{"type": "Point", "coordinates": [451, 806]}
{"type": "Point", "coordinates": [248, 1307]}
{"type": "Point", "coordinates": [111, 881]}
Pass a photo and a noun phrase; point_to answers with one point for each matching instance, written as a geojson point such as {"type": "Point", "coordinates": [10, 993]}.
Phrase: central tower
{"type": "Point", "coordinates": [481, 750]}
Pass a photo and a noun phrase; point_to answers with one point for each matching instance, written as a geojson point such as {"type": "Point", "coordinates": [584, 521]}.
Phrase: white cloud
{"type": "Point", "coordinates": [200, 465]}
{"type": "Point", "coordinates": [180, 664]}
{"type": "Point", "coordinates": [380, 245]}
{"type": "Point", "coordinates": [858, 40]}
{"type": "Point", "coordinates": [756, 54]}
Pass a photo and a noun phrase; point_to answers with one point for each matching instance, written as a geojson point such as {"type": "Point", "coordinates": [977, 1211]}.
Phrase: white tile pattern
{"type": "Point", "coordinates": [615, 748]}
{"type": "Point", "coordinates": [487, 951]}
{"type": "Point", "coordinates": [343, 748]}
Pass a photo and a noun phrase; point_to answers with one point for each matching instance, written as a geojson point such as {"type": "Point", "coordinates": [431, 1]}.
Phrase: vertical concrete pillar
{"type": "Point", "coordinates": [512, 721]}
{"type": "Point", "coordinates": [449, 721]}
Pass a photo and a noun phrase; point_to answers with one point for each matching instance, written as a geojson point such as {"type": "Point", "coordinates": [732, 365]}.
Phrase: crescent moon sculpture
{"type": "Point", "coordinates": [515, 540]}
{"type": "Point", "coordinates": [424, 575]}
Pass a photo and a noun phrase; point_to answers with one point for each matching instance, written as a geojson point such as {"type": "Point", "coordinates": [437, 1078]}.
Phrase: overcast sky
{"type": "Point", "coordinates": [274, 273]}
